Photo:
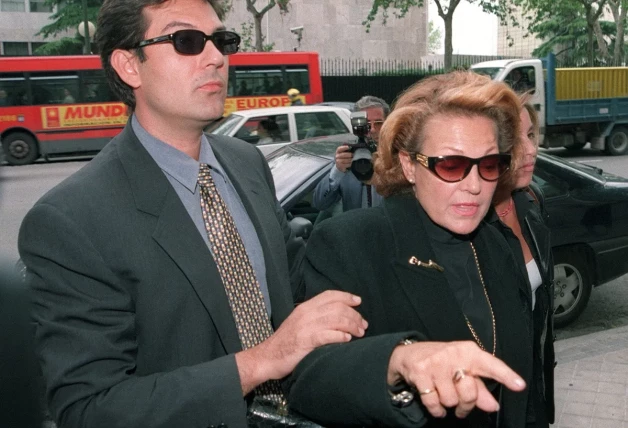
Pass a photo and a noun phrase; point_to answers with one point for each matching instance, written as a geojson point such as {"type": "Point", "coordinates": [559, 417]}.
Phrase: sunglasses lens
{"type": "Point", "coordinates": [491, 167]}
{"type": "Point", "coordinates": [452, 168]}
{"type": "Point", "coordinates": [189, 42]}
{"type": "Point", "coordinates": [227, 42]}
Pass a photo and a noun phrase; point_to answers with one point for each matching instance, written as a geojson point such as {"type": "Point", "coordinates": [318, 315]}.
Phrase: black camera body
{"type": "Point", "coordinates": [362, 164]}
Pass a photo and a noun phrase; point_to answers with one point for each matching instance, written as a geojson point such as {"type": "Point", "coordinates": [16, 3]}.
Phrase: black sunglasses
{"type": "Point", "coordinates": [192, 42]}
{"type": "Point", "coordinates": [455, 168]}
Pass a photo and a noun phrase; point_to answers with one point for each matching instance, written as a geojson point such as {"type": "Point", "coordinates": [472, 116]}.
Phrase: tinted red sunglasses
{"type": "Point", "coordinates": [455, 168]}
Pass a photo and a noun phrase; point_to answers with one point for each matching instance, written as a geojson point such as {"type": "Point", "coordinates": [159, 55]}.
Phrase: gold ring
{"type": "Point", "coordinates": [459, 375]}
{"type": "Point", "coordinates": [426, 391]}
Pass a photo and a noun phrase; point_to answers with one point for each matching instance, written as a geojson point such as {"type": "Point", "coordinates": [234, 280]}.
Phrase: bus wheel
{"type": "Point", "coordinates": [20, 148]}
{"type": "Point", "coordinates": [617, 142]}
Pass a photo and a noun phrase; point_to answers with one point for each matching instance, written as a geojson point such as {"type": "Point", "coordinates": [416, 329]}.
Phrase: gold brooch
{"type": "Point", "coordinates": [430, 264]}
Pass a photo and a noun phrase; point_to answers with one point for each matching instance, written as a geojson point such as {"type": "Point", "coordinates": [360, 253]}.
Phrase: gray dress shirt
{"type": "Point", "coordinates": [182, 173]}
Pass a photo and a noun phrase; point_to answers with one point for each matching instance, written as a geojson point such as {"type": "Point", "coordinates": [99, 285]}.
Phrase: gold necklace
{"type": "Point", "coordinates": [490, 307]}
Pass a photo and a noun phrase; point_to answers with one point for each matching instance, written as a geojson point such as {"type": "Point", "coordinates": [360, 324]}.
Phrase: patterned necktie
{"type": "Point", "coordinates": [369, 195]}
{"type": "Point", "coordinates": [237, 274]}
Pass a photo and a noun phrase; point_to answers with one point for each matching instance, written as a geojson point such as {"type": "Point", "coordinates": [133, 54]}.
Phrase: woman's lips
{"type": "Point", "coordinates": [466, 210]}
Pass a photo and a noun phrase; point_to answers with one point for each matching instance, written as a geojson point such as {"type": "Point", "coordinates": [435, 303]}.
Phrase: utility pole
{"type": "Point", "coordinates": [87, 48]}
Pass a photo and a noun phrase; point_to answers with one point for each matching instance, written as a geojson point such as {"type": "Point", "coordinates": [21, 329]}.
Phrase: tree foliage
{"type": "Point", "coordinates": [446, 10]}
{"type": "Point", "coordinates": [258, 15]}
{"type": "Point", "coordinates": [569, 26]}
{"type": "Point", "coordinates": [434, 37]}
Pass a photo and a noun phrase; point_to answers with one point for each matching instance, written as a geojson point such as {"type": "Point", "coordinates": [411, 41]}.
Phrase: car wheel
{"type": "Point", "coordinates": [617, 142]}
{"type": "Point", "coordinates": [20, 148]}
{"type": "Point", "coordinates": [572, 285]}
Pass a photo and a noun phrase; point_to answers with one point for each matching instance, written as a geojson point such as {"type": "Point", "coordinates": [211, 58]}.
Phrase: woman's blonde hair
{"type": "Point", "coordinates": [459, 93]}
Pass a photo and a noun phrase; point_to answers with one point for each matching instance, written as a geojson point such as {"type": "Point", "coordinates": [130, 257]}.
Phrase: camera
{"type": "Point", "coordinates": [297, 30]}
{"type": "Point", "coordinates": [362, 164]}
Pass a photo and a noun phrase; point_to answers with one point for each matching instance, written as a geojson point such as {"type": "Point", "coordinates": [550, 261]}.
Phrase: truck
{"type": "Point", "coordinates": [575, 105]}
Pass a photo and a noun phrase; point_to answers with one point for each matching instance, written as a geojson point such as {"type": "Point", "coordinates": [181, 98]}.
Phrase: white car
{"type": "Point", "coordinates": [272, 128]}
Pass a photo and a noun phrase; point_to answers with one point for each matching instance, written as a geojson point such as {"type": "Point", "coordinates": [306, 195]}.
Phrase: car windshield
{"type": "Point", "coordinates": [488, 71]}
{"type": "Point", "coordinates": [227, 124]}
{"type": "Point", "coordinates": [291, 168]}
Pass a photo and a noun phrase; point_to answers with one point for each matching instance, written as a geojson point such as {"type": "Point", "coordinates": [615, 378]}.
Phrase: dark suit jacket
{"type": "Point", "coordinates": [366, 252]}
{"type": "Point", "coordinates": [134, 327]}
{"type": "Point", "coordinates": [532, 220]}
{"type": "Point", "coordinates": [20, 381]}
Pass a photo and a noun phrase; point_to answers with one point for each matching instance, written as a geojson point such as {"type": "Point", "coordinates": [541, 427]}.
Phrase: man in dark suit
{"type": "Point", "coordinates": [138, 320]}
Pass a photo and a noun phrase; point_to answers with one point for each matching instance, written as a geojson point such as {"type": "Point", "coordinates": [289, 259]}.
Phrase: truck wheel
{"type": "Point", "coordinates": [572, 285]}
{"type": "Point", "coordinates": [617, 142]}
{"type": "Point", "coordinates": [20, 148]}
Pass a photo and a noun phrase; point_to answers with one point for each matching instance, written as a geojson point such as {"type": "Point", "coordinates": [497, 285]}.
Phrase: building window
{"type": "Point", "coordinates": [13, 5]}
{"type": "Point", "coordinates": [15, 48]}
{"type": "Point", "coordinates": [35, 45]}
{"type": "Point", "coordinates": [40, 6]}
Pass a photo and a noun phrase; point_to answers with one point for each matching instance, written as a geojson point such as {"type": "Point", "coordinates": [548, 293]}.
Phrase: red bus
{"type": "Point", "coordinates": [59, 106]}
{"type": "Point", "coordinates": [261, 79]}
{"type": "Point", "coordinates": [55, 106]}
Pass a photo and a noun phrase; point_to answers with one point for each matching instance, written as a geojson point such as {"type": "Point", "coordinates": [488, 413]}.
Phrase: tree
{"type": "Point", "coordinates": [446, 9]}
{"type": "Point", "coordinates": [434, 38]}
{"type": "Point", "coordinates": [566, 11]}
{"type": "Point", "coordinates": [258, 15]}
{"type": "Point", "coordinates": [246, 34]}
{"type": "Point", "coordinates": [619, 9]}
{"type": "Point", "coordinates": [68, 16]}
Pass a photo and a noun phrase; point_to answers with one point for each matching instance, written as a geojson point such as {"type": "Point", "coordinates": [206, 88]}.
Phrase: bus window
{"type": "Point", "coordinates": [13, 89]}
{"type": "Point", "coordinates": [94, 87]}
{"type": "Point", "coordinates": [256, 81]}
{"type": "Point", "coordinates": [298, 77]}
{"type": "Point", "coordinates": [54, 87]}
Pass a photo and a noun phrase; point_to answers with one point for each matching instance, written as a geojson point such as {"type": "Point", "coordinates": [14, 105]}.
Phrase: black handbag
{"type": "Point", "coordinates": [263, 413]}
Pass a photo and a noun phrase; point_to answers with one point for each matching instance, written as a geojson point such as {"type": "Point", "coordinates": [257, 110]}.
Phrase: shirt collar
{"type": "Point", "coordinates": [174, 162]}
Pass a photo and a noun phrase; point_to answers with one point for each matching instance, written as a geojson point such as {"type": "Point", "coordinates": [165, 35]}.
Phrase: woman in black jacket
{"type": "Point", "coordinates": [520, 217]}
{"type": "Point", "coordinates": [441, 290]}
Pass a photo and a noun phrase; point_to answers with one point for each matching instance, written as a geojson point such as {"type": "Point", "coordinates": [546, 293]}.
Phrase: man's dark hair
{"type": "Point", "coordinates": [369, 101]}
{"type": "Point", "coordinates": [121, 25]}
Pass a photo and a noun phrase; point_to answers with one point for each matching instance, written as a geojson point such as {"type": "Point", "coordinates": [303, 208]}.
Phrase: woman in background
{"type": "Point", "coordinates": [520, 217]}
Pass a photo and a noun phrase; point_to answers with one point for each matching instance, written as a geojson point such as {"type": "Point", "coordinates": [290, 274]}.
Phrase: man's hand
{"type": "Point", "coordinates": [343, 158]}
{"type": "Point", "coordinates": [324, 319]}
{"type": "Point", "coordinates": [448, 374]}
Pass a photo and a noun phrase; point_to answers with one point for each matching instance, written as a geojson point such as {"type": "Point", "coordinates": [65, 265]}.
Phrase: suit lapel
{"type": "Point", "coordinates": [426, 289]}
{"type": "Point", "coordinates": [177, 235]}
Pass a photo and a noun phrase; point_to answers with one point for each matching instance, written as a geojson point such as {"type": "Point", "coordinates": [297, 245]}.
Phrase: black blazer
{"type": "Point", "coordinates": [366, 252]}
{"type": "Point", "coordinates": [134, 328]}
{"type": "Point", "coordinates": [529, 205]}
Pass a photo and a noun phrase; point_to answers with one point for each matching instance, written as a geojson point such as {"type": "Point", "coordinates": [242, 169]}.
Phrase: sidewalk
{"type": "Point", "coordinates": [592, 380]}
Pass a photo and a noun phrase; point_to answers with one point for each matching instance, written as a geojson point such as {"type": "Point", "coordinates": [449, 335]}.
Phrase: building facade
{"type": "Point", "coordinates": [515, 41]}
{"type": "Point", "coordinates": [334, 29]}
{"type": "Point", "coordinates": [20, 20]}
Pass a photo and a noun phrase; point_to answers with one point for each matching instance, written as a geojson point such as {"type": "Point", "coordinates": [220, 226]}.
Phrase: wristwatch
{"type": "Point", "coordinates": [402, 395]}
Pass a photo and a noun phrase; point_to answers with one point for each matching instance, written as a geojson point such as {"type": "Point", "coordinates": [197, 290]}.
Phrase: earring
{"type": "Point", "coordinates": [411, 181]}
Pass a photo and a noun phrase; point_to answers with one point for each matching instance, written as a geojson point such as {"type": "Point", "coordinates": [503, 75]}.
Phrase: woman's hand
{"type": "Point", "coordinates": [448, 374]}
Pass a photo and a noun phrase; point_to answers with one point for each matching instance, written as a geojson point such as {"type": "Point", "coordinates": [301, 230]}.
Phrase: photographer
{"type": "Point", "coordinates": [342, 183]}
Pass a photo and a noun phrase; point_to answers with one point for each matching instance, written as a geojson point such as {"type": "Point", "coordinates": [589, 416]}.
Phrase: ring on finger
{"type": "Point", "coordinates": [459, 375]}
{"type": "Point", "coordinates": [426, 391]}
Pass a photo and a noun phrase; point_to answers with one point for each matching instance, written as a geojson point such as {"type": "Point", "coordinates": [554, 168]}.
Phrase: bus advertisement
{"type": "Point", "coordinates": [62, 105]}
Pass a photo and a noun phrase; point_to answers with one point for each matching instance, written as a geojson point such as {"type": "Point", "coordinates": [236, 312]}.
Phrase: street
{"type": "Point", "coordinates": [22, 186]}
